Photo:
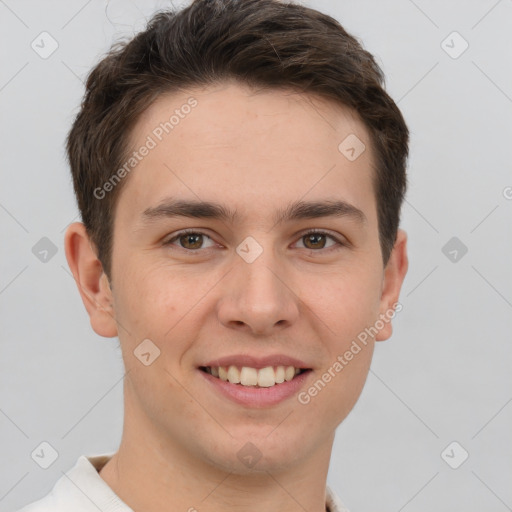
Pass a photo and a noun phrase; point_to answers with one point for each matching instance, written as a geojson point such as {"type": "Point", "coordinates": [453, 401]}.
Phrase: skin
{"type": "Point", "coordinates": [253, 151]}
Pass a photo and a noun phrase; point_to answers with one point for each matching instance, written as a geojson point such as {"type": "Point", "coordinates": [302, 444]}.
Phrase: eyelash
{"type": "Point", "coordinates": [339, 244]}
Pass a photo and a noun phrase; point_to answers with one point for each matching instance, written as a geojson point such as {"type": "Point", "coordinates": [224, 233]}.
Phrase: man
{"type": "Point", "coordinates": [240, 171]}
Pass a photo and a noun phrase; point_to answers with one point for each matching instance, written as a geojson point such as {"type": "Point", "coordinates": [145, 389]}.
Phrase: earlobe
{"type": "Point", "coordinates": [394, 275]}
{"type": "Point", "coordinates": [91, 281]}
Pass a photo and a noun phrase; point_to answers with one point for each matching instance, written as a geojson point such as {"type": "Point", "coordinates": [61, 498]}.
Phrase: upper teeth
{"type": "Point", "coordinates": [264, 377]}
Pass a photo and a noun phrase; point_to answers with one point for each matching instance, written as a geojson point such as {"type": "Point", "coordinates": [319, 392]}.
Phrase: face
{"type": "Point", "coordinates": [281, 269]}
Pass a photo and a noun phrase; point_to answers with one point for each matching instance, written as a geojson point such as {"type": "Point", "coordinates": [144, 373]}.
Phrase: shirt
{"type": "Point", "coordinates": [82, 489]}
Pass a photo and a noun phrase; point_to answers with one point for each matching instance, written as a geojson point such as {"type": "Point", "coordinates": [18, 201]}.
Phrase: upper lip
{"type": "Point", "coordinates": [257, 362]}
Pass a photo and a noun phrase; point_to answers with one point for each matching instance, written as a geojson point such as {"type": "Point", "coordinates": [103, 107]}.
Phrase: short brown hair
{"type": "Point", "coordinates": [263, 43]}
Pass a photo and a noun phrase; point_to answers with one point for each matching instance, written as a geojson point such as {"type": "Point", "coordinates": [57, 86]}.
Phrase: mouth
{"type": "Point", "coordinates": [246, 376]}
{"type": "Point", "coordinates": [255, 381]}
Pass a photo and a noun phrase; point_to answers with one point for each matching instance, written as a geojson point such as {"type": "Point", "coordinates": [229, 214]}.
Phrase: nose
{"type": "Point", "coordinates": [258, 297]}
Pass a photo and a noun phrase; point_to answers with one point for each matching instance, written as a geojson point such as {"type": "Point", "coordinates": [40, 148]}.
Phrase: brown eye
{"type": "Point", "coordinates": [318, 240]}
{"type": "Point", "coordinates": [315, 240]}
{"type": "Point", "coordinates": [191, 241]}
{"type": "Point", "coordinates": [321, 242]}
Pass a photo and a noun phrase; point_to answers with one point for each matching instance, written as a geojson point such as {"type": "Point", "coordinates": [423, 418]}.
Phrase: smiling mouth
{"type": "Point", "coordinates": [252, 377]}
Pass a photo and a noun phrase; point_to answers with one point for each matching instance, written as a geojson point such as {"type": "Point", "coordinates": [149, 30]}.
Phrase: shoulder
{"type": "Point", "coordinates": [80, 489]}
{"type": "Point", "coordinates": [333, 502]}
{"type": "Point", "coordinates": [46, 504]}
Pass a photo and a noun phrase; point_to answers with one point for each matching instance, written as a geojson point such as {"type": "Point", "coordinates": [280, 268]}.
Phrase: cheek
{"type": "Point", "coordinates": [346, 302]}
{"type": "Point", "coordinates": [162, 304]}
{"type": "Point", "coordinates": [334, 392]}
{"type": "Point", "coordinates": [147, 302]}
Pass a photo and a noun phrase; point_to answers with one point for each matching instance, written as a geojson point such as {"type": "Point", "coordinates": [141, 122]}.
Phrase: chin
{"type": "Point", "coordinates": [252, 451]}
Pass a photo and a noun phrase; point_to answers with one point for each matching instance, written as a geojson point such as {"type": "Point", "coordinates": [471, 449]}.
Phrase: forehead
{"type": "Point", "coordinates": [252, 147]}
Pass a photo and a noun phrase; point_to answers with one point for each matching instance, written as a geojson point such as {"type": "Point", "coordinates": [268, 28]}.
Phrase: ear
{"type": "Point", "coordinates": [394, 275]}
{"type": "Point", "coordinates": [92, 282]}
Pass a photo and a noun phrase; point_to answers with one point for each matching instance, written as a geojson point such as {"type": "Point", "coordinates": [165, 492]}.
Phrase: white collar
{"type": "Point", "coordinates": [82, 489]}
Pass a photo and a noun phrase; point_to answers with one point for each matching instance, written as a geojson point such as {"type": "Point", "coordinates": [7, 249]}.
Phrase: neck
{"type": "Point", "coordinates": [151, 473]}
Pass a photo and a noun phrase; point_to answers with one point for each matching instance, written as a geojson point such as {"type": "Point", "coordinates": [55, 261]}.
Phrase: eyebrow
{"type": "Point", "coordinates": [297, 210]}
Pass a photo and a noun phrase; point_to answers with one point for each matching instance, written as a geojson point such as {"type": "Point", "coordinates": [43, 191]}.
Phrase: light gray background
{"type": "Point", "coordinates": [443, 377]}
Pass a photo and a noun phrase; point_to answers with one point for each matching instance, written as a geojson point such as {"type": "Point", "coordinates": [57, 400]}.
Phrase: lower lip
{"type": "Point", "coordinates": [257, 397]}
